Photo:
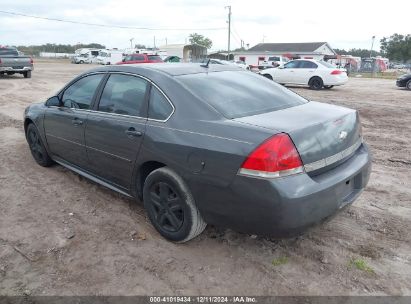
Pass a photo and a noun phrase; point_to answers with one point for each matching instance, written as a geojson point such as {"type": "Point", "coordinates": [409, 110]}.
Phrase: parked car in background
{"type": "Point", "coordinates": [85, 56]}
{"type": "Point", "coordinates": [172, 59]}
{"type": "Point", "coordinates": [275, 61]}
{"type": "Point", "coordinates": [13, 63]}
{"type": "Point", "coordinates": [107, 57]}
{"type": "Point", "coordinates": [204, 144]}
{"type": "Point", "coordinates": [404, 81]}
{"type": "Point", "coordinates": [315, 74]}
{"type": "Point", "coordinates": [140, 58]}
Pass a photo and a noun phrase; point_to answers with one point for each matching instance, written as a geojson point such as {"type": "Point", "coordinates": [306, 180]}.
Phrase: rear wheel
{"type": "Point", "coordinates": [316, 83]}
{"type": "Point", "coordinates": [268, 76]}
{"type": "Point", "coordinates": [37, 149]}
{"type": "Point", "coordinates": [408, 85]}
{"type": "Point", "coordinates": [328, 86]}
{"type": "Point", "coordinates": [27, 74]}
{"type": "Point", "coordinates": [171, 207]}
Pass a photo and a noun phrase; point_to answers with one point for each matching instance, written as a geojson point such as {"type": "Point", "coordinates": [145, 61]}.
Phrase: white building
{"type": "Point", "coordinates": [307, 50]}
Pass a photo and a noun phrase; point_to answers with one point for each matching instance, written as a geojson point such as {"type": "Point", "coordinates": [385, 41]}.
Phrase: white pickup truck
{"type": "Point", "coordinates": [13, 63]}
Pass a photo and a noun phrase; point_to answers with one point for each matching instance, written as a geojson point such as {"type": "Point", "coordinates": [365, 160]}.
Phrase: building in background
{"type": "Point", "coordinates": [188, 52]}
{"type": "Point", "coordinates": [306, 50]}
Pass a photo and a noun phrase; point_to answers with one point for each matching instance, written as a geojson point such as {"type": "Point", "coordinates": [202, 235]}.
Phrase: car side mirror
{"type": "Point", "coordinates": [281, 67]}
{"type": "Point", "coordinates": [53, 102]}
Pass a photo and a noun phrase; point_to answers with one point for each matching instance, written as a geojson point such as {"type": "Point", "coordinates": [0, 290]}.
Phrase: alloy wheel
{"type": "Point", "coordinates": [167, 207]}
{"type": "Point", "coordinates": [35, 145]}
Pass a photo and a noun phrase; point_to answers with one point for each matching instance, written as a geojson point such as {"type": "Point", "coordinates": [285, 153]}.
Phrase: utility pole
{"type": "Point", "coordinates": [229, 30]}
{"type": "Point", "coordinates": [131, 42]}
{"type": "Point", "coordinates": [154, 42]}
{"type": "Point", "coordinates": [372, 45]}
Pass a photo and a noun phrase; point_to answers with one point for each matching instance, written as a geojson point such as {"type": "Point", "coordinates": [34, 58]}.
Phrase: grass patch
{"type": "Point", "coordinates": [360, 264]}
{"type": "Point", "coordinates": [381, 75]}
{"type": "Point", "coordinates": [279, 261]}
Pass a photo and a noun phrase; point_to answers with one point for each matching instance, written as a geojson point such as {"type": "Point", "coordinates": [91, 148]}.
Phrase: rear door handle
{"type": "Point", "coordinates": [133, 132]}
{"type": "Point", "coordinates": [77, 122]}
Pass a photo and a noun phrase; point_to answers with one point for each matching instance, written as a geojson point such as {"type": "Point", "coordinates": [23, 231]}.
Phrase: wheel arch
{"type": "Point", "coordinates": [143, 171]}
{"type": "Point", "coordinates": [27, 121]}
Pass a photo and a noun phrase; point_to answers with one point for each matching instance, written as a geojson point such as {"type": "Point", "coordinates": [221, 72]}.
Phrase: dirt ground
{"type": "Point", "coordinates": [61, 234]}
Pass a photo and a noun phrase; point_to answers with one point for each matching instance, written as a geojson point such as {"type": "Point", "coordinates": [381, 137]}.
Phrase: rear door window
{"type": "Point", "coordinates": [308, 65]}
{"type": "Point", "coordinates": [159, 107]}
{"type": "Point", "coordinates": [240, 93]}
{"type": "Point", "coordinates": [80, 94]}
{"type": "Point", "coordinates": [124, 94]}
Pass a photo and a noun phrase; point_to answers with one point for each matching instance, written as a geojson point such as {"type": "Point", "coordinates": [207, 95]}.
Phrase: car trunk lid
{"type": "Point", "coordinates": [323, 134]}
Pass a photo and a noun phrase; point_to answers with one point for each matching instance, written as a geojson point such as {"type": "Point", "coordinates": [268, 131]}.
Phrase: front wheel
{"type": "Point", "coordinates": [408, 85]}
{"type": "Point", "coordinates": [328, 86]}
{"type": "Point", "coordinates": [316, 83]}
{"type": "Point", "coordinates": [37, 149]}
{"type": "Point", "coordinates": [171, 207]}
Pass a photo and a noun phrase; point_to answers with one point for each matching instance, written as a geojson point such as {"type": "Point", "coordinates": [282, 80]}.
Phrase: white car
{"type": "Point", "coordinates": [315, 74]}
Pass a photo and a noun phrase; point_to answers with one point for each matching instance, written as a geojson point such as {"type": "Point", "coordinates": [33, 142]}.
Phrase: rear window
{"type": "Point", "coordinates": [8, 52]}
{"type": "Point", "coordinates": [326, 64]}
{"type": "Point", "coordinates": [237, 94]}
{"type": "Point", "coordinates": [154, 57]}
{"type": "Point", "coordinates": [274, 59]}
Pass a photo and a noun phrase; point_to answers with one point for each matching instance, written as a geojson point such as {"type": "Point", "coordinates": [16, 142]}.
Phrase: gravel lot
{"type": "Point", "coordinates": [61, 234]}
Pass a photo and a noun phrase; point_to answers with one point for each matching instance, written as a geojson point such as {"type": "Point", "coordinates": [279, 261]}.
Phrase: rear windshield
{"type": "Point", "coordinates": [154, 57]}
{"type": "Point", "coordinates": [237, 94]}
{"type": "Point", "coordinates": [326, 64]}
{"type": "Point", "coordinates": [8, 52]}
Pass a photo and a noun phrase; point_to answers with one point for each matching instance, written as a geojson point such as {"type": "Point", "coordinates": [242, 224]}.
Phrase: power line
{"type": "Point", "coordinates": [113, 26]}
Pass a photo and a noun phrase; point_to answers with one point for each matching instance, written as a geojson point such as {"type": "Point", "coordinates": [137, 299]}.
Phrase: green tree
{"type": "Point", "coordinates": [397, 47]}
{"type": "Point", "coordinates": [200, 40]}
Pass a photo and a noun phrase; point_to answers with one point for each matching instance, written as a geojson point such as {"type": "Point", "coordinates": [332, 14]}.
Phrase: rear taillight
{"type": "Point", "coordinates": [276, 157]}
{"type": "Point", "coordinates": [336, 72]}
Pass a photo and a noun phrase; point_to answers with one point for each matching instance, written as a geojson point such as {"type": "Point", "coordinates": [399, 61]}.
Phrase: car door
{"type": "Point", "coordinates": [306, 70]}
{"type": "Point", "coordinates": [286, 73]}
{"type": "Point", "coordinates": [64, 124]}
{"type": "Point", "coordinates": [115, 128]}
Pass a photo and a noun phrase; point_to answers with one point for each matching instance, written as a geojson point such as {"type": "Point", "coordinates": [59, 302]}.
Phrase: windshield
{"type": "Point", "coordinates": [8, 52]}
{"type": "Point", "coordinates": [237, 94]}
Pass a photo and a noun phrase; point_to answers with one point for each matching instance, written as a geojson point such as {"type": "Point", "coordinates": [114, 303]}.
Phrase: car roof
{"type": "Point", "coordinates": [172, 69]}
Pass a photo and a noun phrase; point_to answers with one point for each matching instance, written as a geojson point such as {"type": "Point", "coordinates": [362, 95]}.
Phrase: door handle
{"type": "Point", "coordinates": [133, 132]}
{"type": "Point", "coordinates": [77, 122]}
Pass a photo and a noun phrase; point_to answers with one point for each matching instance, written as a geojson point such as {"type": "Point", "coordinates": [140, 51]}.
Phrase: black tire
{"type": "Point", "coordinates": [27, 74]}
{"type": "Point", "coordinates": [268, 76]}
{"type": "Point", "coordinates": [328, 87]}
{"type": "Point", "coordinates": [408, 84]}
{"type": "Point", "coordinates": [171, 207]}
{"type": "Point", "coordinates": [37, 149]}
{"type": "Point", "coordinates": [316, 83]}
{"type": "Point", "coordinates": [81, 61]}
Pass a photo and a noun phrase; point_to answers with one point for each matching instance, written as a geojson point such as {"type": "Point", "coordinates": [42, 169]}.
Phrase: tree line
{"type": "Point", "coordinates": [35, 50]}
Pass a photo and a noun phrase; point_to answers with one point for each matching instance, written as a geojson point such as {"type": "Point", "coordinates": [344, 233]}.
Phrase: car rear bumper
{"type": "Point", "coordinates": [285, 206]}
{"type": "Point", "coordinates": [16, 70]}
{"type": "Point", "coordinates": [337, 80]}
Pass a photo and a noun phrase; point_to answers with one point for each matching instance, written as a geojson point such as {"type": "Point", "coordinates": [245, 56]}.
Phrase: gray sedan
{"type": "Point", "coordinates": [204, 145]}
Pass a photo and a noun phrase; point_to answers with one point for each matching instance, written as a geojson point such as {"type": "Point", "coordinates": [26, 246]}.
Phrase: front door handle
{"type": "Point", "coordinates": [77, 122]}
{"type": "Point", "coordinates": [133, 132]}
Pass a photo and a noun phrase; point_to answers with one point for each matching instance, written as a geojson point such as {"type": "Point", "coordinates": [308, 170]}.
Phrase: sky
{"type": "Point", "coordinates": [343, 24]}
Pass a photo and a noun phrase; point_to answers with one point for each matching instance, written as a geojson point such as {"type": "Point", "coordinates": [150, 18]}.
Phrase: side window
{"type": "Point", "coordinates": [292, 65]}
{"type": "Point", "coordinates": [123, 94]}
{"type": "Point", "coordinates": [308, 65]}
{"type": "Point", "coordinates": [159, 107]}
{"type": "Point", "coordinates": [80, 94]}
